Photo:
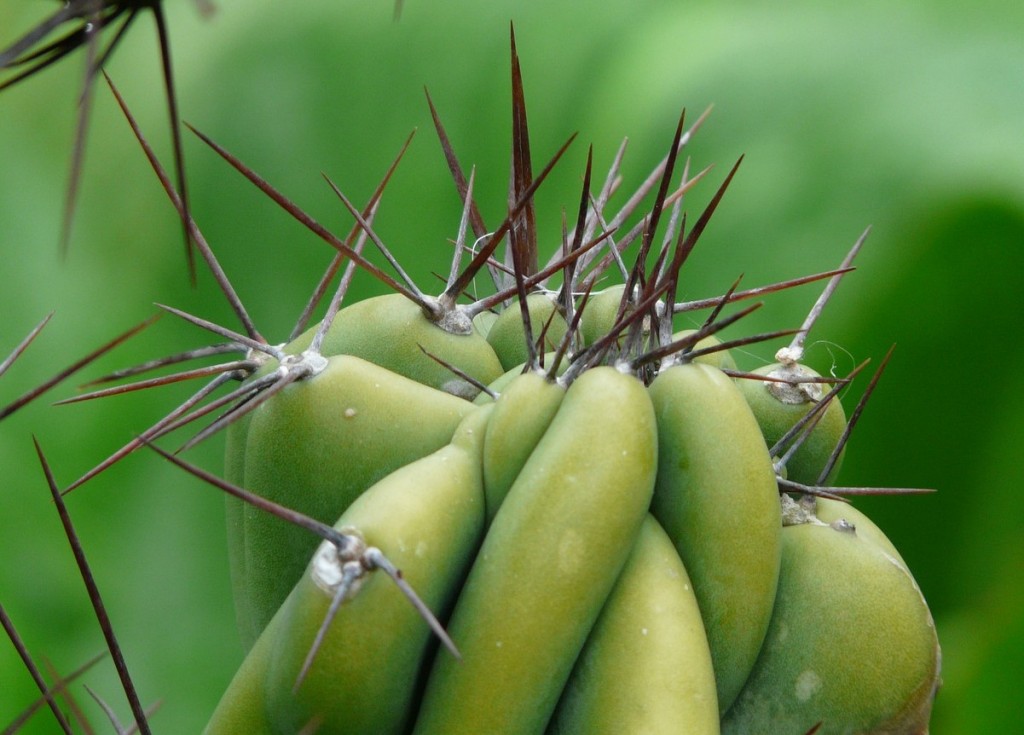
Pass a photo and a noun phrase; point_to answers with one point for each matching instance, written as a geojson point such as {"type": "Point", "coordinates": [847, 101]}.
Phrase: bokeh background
{"type": "Point", "coordinates": [907, 118]}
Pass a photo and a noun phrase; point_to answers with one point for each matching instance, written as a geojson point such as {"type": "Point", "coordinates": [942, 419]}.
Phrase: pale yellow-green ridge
{"type": "Point", "coordinates": [548, 562]}
{"type": "Point", "coordinates": [646, 667]}
{"type": "Point", "coordinates": [521, 416]}
{"type": "Point", "coordinates": [717, 499]}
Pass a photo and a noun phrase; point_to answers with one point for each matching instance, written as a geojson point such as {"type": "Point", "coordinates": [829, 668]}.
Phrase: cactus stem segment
{"type": "Point", "coordinates": [346, 546]}
{"type": "Point", "coordinates": [339, 572]}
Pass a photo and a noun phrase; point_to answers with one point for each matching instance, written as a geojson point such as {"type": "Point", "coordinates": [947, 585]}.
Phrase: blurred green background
{"type": "Point", "coordinates": [907, 118]}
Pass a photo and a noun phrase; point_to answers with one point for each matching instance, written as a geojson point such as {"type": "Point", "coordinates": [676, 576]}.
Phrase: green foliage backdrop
{"type": "Point", "coordinates": [906, 118]}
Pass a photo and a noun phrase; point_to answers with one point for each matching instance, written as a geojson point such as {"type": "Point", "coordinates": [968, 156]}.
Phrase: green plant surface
{"type": "Point", "coordinates": [906, 119]}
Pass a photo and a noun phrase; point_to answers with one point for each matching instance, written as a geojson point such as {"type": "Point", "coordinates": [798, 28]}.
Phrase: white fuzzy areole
{"type": "Point", "coordinates": [452, 319]}
{"type": "Point", "coordinates": [327, 569]}
{"type": "Point", "coordinates": [794, 392]}
{"type": "Point", "coordinates": [316, 362]}
{"type": "Point", "coordinates": [795, 513]}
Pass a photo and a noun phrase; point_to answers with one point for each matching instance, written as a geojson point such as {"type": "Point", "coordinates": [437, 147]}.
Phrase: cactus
{"type": "Point", "coordinates": [612, 507]}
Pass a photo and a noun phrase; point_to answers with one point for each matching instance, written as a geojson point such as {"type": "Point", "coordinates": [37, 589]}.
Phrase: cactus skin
{"type": "Point", "coordinates": [547, 564]}
{"type": "Point", "coordinates": [428, 518]}
{"type": "Point", "coordinates": [717, 499]}
{"type": "Point", "coordinates": [499, 385]}
{"type": "Point", "coordinates": [483, 322]}
{"type": "Point", "coordinates": [721, 359]}
{"type": "Point", "coordinates": [522, 414]}
{"type": "Point", "coordinates": [646, 667]}
{"type": "Point", "coordinates": [829, 511]}
{"type": "Point", "coordinates": [506, 336]}
{"type": "Point", "coordinates": [776, 417]}
{"type": "Point", "coordinates": [851, 644]}
{"type": "Point", "coordinates": [390, 331]}
{"type": "Point", "coordinates": [315, 447]}
{"type": "Point", "coordinates": [576, 489]}
{"type": "Point", "coordinates": [599, 313]}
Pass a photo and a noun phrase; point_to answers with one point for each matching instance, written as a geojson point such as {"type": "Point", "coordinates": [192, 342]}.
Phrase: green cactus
{"type": "Point", "coordinates": [573, 457]}
{"type": "Point", "coordinates": [575, 496]}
